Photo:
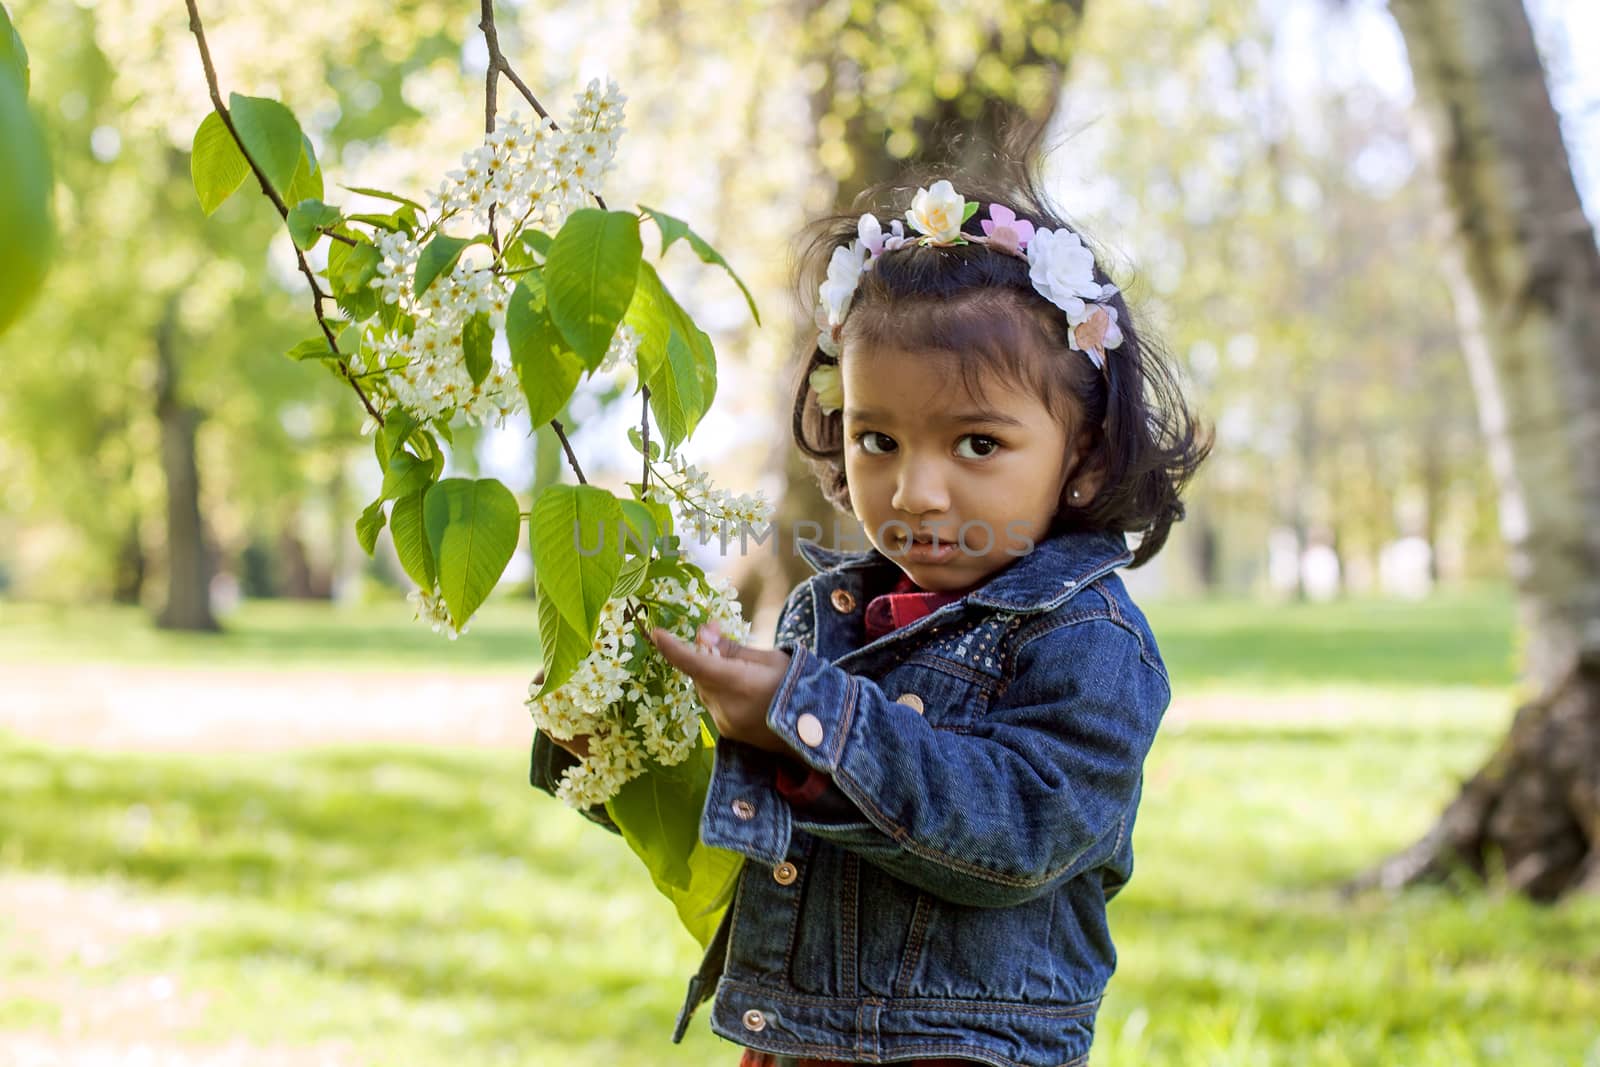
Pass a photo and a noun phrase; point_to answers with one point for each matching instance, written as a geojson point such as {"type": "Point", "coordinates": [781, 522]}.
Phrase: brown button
{"type": "Point", "coordinates": [843, 601]}
{"type": "Point", "coordinates": [754, 1020]}
{"type": "Point", "coordinates": [785, 873]}
{"type": "Point", "coordinates": [744, 809]}
{"type": "Point", "coordinates": [912, 701]}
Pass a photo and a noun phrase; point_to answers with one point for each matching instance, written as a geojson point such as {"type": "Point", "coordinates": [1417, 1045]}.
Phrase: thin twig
{"type": "Point", "coordinates": [555, 424]}
{"type": "Point", "coordinates": [317, 295]}
{"type": "Point", "coordinates": [644, 433]}
{"type": "Point", "coordinates": [498, 64]}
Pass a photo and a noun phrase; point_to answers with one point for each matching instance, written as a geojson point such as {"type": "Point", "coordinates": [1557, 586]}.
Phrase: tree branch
{"type": "Point", "coordinates": [498, 64]}
{"type": "Point", "coordinates": [555, 424]}
{"type": "Point", "coordinates": [317, 295]}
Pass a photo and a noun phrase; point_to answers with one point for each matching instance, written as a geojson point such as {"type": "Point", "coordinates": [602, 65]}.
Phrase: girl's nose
{"type": "Point", "coordinates": [920, 488]}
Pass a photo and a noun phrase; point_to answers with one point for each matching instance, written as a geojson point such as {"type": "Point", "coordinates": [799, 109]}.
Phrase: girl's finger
{"type": "Point", "coordinates": [692, 660]}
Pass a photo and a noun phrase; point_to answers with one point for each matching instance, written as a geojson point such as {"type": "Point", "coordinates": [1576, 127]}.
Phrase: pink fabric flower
{"type": "Point", "coordinates": [1005, 230]}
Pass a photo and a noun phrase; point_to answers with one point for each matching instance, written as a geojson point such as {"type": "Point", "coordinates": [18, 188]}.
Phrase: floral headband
{"type": "Point", "coordinates": [1060, 267]}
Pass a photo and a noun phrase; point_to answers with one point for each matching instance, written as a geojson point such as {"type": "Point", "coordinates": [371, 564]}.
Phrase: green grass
{"type": "Point", "coordinates": [274, 633]}
{"type": "Point", "coordinates": [1458, 638]}
{"type": "Point", "coordinates": [427, 907]}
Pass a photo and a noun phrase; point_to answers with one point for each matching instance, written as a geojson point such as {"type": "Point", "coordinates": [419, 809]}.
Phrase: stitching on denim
{"type": "Point", "coordinates": [950, 666]}
{"type": "Point", "coordinates": [1137, 631]}
{"type": "Point", "coordinates": [795, 906]}
{"type": "Point", "coordinates": [848, 933]}
{"type": "Point", "coordinates": [846, 718]}
{"type": "Point", "coordinates": [904, 1004]}
{"type": "Point", "coordinates": [913, 950]}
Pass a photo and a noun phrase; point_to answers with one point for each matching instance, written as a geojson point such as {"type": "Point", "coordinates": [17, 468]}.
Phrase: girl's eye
{"type": "Point", "coordinates": [980, 446]}
{"type": "Point", "coordinates": [873, 442]}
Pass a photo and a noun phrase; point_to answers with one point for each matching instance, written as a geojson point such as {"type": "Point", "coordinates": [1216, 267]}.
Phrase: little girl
{"type": "Point", "coordinates": [935, 773]}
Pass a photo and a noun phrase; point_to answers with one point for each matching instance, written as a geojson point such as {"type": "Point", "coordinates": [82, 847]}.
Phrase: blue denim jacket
{"type": "Point", "coordinates": [948, 896]}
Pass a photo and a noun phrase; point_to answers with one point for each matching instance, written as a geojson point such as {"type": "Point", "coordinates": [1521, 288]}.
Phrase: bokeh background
{"type": "Point", "coordinates": [285, 823]}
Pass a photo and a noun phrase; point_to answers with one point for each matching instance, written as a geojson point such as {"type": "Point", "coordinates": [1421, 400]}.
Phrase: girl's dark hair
{"type": "Point", "coordinates": [976, 310]}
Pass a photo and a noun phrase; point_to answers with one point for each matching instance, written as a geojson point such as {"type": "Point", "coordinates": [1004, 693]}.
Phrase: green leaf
{"type": "Point", "coordinates": [641, 522]}
{"type": "Point", "coordinates": [675, 393]}
{"type": "Point", "coordinates": [13, 56]}
{"type": "Point", "coordinates": [216, 165]}
{"type": "Point", "coordinates": [631, 576]}
{"type": "Point", "coordinates": [393, 198]}
{"type": "Point", "coordinates": [561, 647]}
{"type": "Point", "coordinates": [307, 220]}
{"type": "Point", "coordinates": [672, 229]}
{"type": "Point", "coordinates": [392, 222]}
{"type": "Point", "coordinates": [351, 269]}
{"type": "Point", "coordinates": [546, 368]}
{"type": "Point", "coordinates": [969, 210]}
{"type": "Point", "coordinates": [406, 474]}
{"type": "Point", "coordinates": [312, 348]}
{"type": "Point", "coordinates": [537, 242]}
{"type": "Point", "coordinates": [659, 816]}
{"type": "Point", "coordinates": [477, 347]}
{"type": "Point", "coordinates": [307, 181]}
{"type": "Point", "coordinates": [637, 441]}
{"type": "Point", "coordinates": [579, 582]}
{"type": "Point", "coordinates": [410, 535]}
{"type": "Point", "coordinates": [657, 317]}
{"type": "Point", "coordinates": [271, 136]}
{"type": "Point", "coordinates": [393, 434]}
{"type": "Point", "coordinates": [440, 257]}
{"type": "Point", "coordinates": [368, 526]}
{"type": "Point", "coordinates": [590, 276]}
{"type": "Point", "coordinates": [473, 527]}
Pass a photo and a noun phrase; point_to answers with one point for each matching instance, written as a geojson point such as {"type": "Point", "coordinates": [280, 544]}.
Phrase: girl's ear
{"type": "Point", "coordinates": [1086, 471]}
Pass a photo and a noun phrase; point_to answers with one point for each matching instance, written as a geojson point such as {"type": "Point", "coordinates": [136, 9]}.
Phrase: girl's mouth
{"type": "Point", "coordinates": [928, 550]}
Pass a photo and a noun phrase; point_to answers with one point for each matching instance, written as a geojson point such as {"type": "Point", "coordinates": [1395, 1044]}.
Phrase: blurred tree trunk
{"type": "Point", "coordinates": [1526, 277]}
{"type": "Point", "coordinates": [963, 130]}
{"type": "Point", "coordinates": [128, 568]}
{"type": "Point", "coordinates": [188, 605]}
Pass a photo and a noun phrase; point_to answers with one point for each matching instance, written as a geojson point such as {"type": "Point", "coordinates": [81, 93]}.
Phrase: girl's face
{"type": "Point", "coordinates": [979, 478]}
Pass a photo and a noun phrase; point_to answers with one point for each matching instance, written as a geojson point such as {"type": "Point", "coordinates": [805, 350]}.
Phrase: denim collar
{"type": "Point", "coordinates": [1056, 568]}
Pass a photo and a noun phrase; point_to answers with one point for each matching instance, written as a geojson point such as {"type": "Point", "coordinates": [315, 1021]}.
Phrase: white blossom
{"type": "Point", "coordinates": [626, 699]}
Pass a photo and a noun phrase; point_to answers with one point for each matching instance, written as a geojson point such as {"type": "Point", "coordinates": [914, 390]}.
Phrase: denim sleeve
{"type": "Point", "coordinates": [548, 763]}
{"type": "Point", "coordinates": [1036, 792]}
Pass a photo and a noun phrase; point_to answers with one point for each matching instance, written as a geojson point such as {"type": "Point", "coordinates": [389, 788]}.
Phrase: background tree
{"type": "Point", "coordinates": [1526, 280]}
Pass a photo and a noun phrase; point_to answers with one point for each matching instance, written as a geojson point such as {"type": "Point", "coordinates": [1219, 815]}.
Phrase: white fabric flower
{"type": "Point", "coordinates": [1062, 270]}
{"type": "Point", "coordinates": [938, 212]}
{"type": "Point", "coordinates": [871, 233]}
{"type": "Point", "coordinates": [844, 272]}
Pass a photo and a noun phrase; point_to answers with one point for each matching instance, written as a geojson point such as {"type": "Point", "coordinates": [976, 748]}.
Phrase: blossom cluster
{"type": "Point", "coordinates": [529, 174]}
{"type": "Point", "coordinates": [628, 701]}
{"type": "Point", "coordinates": [535, 171]}
{"type": "Point", "coordinates": [432, 610]}
{"type": "Point", "coordinates": [688, 490]}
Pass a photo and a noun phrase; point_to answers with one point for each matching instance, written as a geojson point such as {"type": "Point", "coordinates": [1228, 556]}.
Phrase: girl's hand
{"type": "Point", "coordinates": [578, 746]}
{"type": "Point", "coordinates": [735, 682]}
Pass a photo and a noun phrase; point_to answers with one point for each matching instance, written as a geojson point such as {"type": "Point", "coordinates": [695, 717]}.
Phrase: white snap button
{"type": "Point", "coordinates": [809, 727]}
{"type": "Point", "coordinates": [912, 701]}
{"type": "Point", "coordinates": [744, 809]}
{"type": "Point", "coordinates": [754, 1020]}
